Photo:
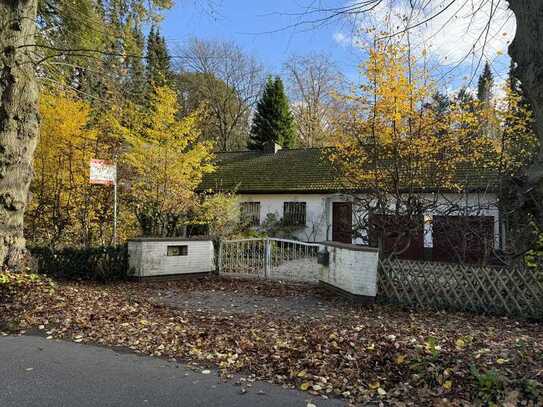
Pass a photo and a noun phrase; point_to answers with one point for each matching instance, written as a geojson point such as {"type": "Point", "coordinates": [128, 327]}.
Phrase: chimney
{"type": "Point", "coordinates": [271, 147]}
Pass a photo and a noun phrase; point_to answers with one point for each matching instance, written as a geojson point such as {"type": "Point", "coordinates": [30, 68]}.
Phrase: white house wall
{"type": "Point", "coordinates": [319, 211]}
{"type": "Point", "coordinates": [315, 230]}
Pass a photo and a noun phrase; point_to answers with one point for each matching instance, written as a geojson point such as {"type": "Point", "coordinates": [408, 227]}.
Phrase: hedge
{"type": "Point", "coordinates": [103, 264]}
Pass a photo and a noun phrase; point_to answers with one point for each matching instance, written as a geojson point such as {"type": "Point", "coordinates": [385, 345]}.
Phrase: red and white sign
{"type": "Point", "coordinates": [103, 172]}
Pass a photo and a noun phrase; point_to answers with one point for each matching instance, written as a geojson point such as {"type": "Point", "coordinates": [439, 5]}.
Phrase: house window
{"type": "Point", "coordinates": [182, 250]}
{"type": "Point", "coordinates": [250, 213]}
{"type": "Point", "coordinates": [294, 213]}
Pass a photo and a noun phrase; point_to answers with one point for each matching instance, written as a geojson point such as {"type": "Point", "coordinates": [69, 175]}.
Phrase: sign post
{"type": "Point", "coordinates": [115, 212]}
{"type": "Point", "coordinates": [104, 172]}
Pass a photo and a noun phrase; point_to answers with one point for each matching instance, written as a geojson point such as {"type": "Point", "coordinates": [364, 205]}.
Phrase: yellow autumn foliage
{"type": "Point", "coordinates": [517, 144]}
{"type": "Point", "coordinates": [160, 162]}
{"type": "Point", "coordinates": [164, 160]}
{"type": "Point", "coordinates": [389, 140]}
{"type": "Point", "coordinates": [60, 191]}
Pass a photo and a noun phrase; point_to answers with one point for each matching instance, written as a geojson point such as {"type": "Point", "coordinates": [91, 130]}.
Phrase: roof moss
{"type": "Point", "coordinates": [297, 170]}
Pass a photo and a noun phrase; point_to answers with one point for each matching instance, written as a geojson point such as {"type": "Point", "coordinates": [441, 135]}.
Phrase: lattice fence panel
{"type": "Point", "coordinates": [515, 291]}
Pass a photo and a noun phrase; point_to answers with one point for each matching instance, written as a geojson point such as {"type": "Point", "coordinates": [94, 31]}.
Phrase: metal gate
{"type": "Point", "coordinates": [270, 258]}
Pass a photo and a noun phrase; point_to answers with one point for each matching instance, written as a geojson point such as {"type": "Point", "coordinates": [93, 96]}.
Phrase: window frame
{"type": "Point", "coordinates": [253, 214]}
{"type": "Point", "coordinates": [177, 250]}
{"type": "Point", "coordinates": [297, 216]}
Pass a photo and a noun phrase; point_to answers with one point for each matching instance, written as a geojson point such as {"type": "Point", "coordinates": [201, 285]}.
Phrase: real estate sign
{"type": "Point", "coordinates": [103, 172]}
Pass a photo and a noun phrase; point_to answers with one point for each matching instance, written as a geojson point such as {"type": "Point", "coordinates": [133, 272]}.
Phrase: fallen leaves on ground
{"type": "Point", "coordinates": [362, 354]}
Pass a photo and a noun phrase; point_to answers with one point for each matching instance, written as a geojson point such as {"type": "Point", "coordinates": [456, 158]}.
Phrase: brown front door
{"type": "Point", "coordinates": [342, 222]}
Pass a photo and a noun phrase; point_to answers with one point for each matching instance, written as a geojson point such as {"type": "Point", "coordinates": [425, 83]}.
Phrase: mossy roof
{"type": "Point", "coordinates": [298, 171]}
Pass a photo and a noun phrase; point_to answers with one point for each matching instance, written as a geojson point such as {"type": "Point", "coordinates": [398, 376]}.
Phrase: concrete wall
{"type": "Point", "coordinates": [149, 257]}
{"type": "Point", "coordinates": [300, 270]}
{"type": "Point", "coordinates": [352, 270]}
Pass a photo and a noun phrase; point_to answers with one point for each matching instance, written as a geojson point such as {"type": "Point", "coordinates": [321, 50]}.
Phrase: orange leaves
{"type": "Point", "coordinates": [366, 355]}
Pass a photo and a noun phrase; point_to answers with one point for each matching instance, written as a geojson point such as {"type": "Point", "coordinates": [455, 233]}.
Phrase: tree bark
{"type": "Point", "coordinates": [527, 52]}
{"type": "Point", "coordinates": [19, 125]}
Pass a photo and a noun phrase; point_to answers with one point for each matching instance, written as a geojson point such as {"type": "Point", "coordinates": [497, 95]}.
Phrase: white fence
{"type": "Point", "coordinates": [352, 269]}
{"type": "Point", "coordinates": [347, 268]}
{"type": "Point", "coordinates": [270, 258]}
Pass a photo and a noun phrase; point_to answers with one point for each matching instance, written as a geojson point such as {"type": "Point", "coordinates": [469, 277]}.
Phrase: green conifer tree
{"type": "Point", "coordinates": [486, 85]}
{"type": "Point", "coordinates": [440, 105]}
{"type": "Point", "coordinates": [158, 67]}
{"type": "Point", "coordinates": [273, 120]}
{"type": "Point", "coordinates": [135, 80]}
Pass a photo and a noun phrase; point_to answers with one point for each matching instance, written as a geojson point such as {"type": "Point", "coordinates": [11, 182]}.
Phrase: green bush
{"type": "Point", "coordinates": [102, 264]}
{"type": "Point", "coordinates": [489, 383]}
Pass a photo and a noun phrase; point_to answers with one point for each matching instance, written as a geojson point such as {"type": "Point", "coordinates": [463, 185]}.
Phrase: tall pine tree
{"type": "Point", "coordinates": [158, 67]}
{"type": "Point", "coordinates": [273, 120]}
{"type": "Point", "coordinates": [136, 81]}
{"type": "Point", "coordinates": [486, 108]}
{"type": "Point", "coordinates": [486, 85]}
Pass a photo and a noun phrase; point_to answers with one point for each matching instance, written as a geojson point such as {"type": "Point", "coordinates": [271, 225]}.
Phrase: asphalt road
{"type": "Point", "coordinates": [35, 371]}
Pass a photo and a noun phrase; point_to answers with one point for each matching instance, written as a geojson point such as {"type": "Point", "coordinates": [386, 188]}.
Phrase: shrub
{"type": "Point", "coordinates": [102, 264]}
{"type": "Point", "coordinates": [489, 384]}
{"type": "Point", "coordinates": [275, 227]}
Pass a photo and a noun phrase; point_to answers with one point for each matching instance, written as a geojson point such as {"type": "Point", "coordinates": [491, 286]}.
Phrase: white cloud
{"type": "Point", "coordinates": [347, 40]}
{"type": "Point", "coordinates": [459, 34]}
{"type": "Point", "coordinates": [342, 39]}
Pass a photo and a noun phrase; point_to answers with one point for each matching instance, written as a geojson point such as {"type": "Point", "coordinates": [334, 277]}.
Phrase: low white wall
{"type": "Point", "coordinates": [301, 270]}
{"type": "Point", "coordinates": [149, 257]}
{"type": "Point", "coordinates": [352, 269]}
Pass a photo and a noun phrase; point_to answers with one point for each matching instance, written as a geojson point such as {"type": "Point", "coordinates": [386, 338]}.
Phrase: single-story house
{"type": "Point", "coordinates": [303, 189]}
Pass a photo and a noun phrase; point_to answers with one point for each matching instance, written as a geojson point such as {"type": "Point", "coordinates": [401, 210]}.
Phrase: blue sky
{"type": "Point", "coordinates": [250, 24]}
{"type": "Point", "coordinates": [260, 27]}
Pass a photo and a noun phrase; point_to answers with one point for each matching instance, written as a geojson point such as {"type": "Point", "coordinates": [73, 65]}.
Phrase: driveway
{"type": "Point", "coordinates": [302, 305]}
{"type": "Point", "coordinates": [35, 371]}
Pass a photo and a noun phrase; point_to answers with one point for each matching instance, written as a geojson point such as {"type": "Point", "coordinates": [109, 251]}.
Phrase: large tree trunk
{"type": "Point", "coordinates": [527, 51]}
{"type": "Point", "coordinates": [19, 125]}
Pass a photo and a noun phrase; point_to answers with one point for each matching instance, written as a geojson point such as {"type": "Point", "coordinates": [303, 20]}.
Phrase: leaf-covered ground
{"type": "Point", "coordinates": [363, 354]}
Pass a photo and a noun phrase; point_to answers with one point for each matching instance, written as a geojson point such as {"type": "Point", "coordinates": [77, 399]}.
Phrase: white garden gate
{"type": "Point", "coordinates": [270, 258]}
